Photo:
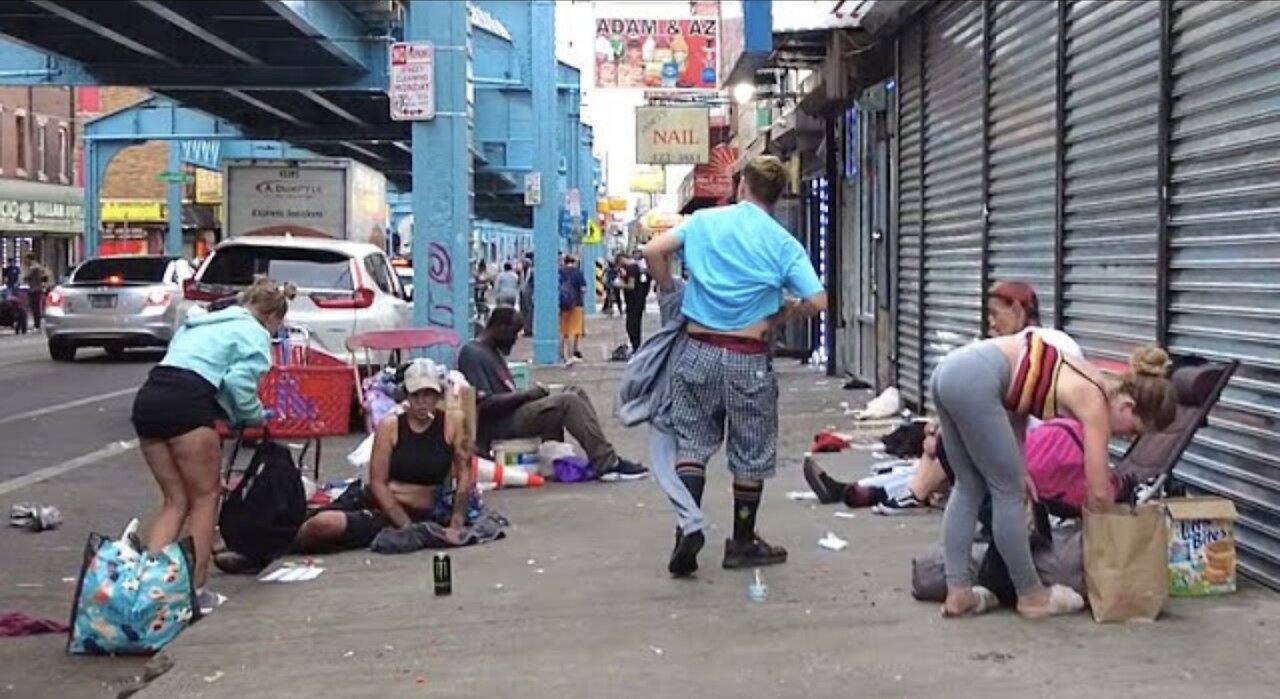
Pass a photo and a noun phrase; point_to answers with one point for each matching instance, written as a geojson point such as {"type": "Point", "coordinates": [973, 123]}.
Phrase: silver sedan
{"type": "Point", "coordinates": [115, 303]}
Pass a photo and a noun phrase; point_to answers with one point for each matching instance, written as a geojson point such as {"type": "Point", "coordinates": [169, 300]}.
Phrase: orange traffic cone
{"type": "Point", "coordinates": [487, 471]}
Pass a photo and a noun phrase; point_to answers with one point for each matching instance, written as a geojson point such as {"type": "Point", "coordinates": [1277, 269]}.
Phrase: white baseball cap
{"type": "Point", "coordinates": [422, 374]}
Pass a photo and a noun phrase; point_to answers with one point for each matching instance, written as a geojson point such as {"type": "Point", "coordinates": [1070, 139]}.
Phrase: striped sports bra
{"type": "Point", "coordinates": [1034, 388]}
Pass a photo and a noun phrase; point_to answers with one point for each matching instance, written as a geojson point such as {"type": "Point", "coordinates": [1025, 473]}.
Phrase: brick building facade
{"type": "Point", "coordinates": [40, 197]}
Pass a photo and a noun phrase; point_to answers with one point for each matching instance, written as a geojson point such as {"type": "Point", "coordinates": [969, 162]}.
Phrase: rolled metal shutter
{"type": "Point", "coordinates": [910, 209]}
{"type": "Point", "coordinates": [1022, 113]}
{"type": "Point", "coordinates": [953, 197]}
{"type": "Point", "coordinates": [1111, 207]}
{"type": "Point", "coordinates": [1224, 275]}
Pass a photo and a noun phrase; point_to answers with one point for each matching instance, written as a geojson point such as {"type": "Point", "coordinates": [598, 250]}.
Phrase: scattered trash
{"type": "Point", "coordinates": [992, 656]}
{"type": "Point", "coordinates": [13, 624]}
{"type": "Point", "coordinates": [290, 573]}
{"type": "Point", "coordinates": [30, 586]}
{"type": "Point", "coordinates": [69, 580]}
{"type": "Point", "coordinates": [210, 679]}
{"type": "Point", "coordinates": [802, 495]}
{"type": "Point", "coordinates": [831, 542]}
{"type": "Point", "coordinates": [656, 650]}
{"type": "Point", "coordinates": [808, 612]}
{"type": "Point", "coordinates": [757, 591]}
{"type": "Point", "coordinates": [388, 648]}
{"type": "Point", "coordinates": [845, 515]}
{"type": "Point", "coordinates": [421, 680]}
{"type": "Point", "coordinates": [539, 571]}
{"type": "Point", "coordinates": [639, 504]}
{"type": "Point", "coordinates": [531, 561]}
{"type": "Point", "coordinates": [34, 517]}
{"type": "Point", "coordinates": [349, 654]}
{"type": "Point", "coordinates": [497, 586]}
{"type": "Point", "coordinates": [887, 404]}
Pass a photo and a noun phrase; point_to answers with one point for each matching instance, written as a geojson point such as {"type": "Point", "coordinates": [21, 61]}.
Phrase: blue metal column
{"type": "Point", "coordinates": [97, 156]}
{"type": "Point", "coordinates": [173, 241]}
{"type": "Point", "coordinates": [585, 182]}
{"type": "Point", "coordinates": [442, 167]}
{"type": "Point", "coordinates": [546, 237]}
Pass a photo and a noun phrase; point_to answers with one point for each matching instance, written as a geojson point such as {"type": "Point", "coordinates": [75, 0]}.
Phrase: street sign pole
{"type": "Point", "coordinates": [546, 237]}
{"type": "Point", "coordinates": [173, 240]}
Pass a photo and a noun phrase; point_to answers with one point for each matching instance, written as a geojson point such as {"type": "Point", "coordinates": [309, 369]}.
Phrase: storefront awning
{"type": "Point", "coordinates": [37, 207]}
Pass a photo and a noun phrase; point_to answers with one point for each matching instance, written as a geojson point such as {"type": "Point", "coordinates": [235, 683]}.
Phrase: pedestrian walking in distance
{"type": "Point", "coordinates": [740, 261]}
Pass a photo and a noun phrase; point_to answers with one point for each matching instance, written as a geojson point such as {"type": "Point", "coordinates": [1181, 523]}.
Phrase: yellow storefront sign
{"type": "Point", "coordinates": [208, 186]}
{"type": "Point", "coordinates": [595, 234]}
{"type": "Point", "coordinates": [133, 212]}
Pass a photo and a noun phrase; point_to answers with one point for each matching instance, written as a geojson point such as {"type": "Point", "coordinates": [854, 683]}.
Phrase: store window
{"type": "Point", "coordinates": [20, 141]}
{"type": "Point", "coordinates": [64, 154]}
{"type": "Point", "coordinates": [42, 144]}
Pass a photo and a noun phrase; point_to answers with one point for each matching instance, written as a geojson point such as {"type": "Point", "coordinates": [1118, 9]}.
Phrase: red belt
{"type": "Point", "coordinates": [733, 343]}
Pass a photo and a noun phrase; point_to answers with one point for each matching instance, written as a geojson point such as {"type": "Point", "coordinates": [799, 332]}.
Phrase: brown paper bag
{"type": "Point", "coordinates": [1126, 552]}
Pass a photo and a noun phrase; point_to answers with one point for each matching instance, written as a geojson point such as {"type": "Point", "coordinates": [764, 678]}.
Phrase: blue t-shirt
{"type": "Point", "coordinates": [739, 260]}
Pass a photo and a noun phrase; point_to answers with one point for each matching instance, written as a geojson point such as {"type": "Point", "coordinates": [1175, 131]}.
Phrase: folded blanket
{"type": "Point", "coordinates": [488, 526]}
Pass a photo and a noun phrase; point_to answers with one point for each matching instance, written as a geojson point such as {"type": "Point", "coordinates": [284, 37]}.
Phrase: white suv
{"type": "Point", "coordinates": [344, 288]}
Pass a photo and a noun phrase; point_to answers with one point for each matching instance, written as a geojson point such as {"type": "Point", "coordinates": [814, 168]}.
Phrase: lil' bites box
{"type": "Point", "coordinates": [1202, 546]}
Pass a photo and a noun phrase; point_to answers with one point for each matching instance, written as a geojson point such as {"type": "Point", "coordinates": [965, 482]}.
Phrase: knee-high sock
{"type": "Point", "coordinates": [694, 477]}
{"type": "Point", "coordinates": [746, 501]}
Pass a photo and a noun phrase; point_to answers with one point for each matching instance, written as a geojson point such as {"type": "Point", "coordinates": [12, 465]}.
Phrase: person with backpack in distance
{"type": "Point", "coordinates": [212, 369]}
{"type": "Point", "coordinates": [573, 289]}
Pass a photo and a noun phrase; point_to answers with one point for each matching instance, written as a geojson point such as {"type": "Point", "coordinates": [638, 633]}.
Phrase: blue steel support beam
{"type": "Point", "coordinates": [97, 156]}
{"type": "Point", "coordinates": [546, 238]}
{"type": "Point", "coordinates": [442, 170]}
{"type": "Point", "coordinates": [331, 25]}
{"type": "Point", "coordinates": [585, 182]}
{"type": "Point", "coordinates": [173, 241]}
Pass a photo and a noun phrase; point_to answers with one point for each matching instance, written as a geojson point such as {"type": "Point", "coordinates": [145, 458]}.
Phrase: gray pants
{"type": "Point", "coordinates": [568, 411]}
{"type": "Point", "coordinates": [662, 463]}
{"type": "Point", "coordinates": [968, 387]}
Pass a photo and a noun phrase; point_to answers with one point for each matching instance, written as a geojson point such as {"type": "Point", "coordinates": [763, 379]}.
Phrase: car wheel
{"type": "Point", "coordinates": [62, 351]}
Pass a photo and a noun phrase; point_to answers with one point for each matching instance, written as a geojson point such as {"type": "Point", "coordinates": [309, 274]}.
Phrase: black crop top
{"type": "Point", "coordinates": [421, 458]}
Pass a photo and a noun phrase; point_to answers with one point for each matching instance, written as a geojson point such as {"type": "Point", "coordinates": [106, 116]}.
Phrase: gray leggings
{"type": "Point", "coordinates": [968, 386]}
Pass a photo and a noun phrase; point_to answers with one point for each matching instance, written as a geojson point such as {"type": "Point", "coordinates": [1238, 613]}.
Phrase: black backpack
{"type": "Point", "coordinates": [262, 515]}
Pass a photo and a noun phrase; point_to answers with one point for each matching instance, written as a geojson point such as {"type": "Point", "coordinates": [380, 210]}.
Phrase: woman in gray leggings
{"type": "Point", "coordinates": [985, 392]}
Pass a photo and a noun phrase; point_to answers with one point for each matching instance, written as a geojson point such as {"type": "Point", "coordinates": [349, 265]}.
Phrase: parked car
{"type": "Point", "coordinates": [344, 288]}
{"type": "Point", "coordinates": [116, 303]}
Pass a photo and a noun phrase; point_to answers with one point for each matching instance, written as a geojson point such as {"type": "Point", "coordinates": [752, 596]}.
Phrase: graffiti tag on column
{"type": "Point", "coordinates": [440, 277]}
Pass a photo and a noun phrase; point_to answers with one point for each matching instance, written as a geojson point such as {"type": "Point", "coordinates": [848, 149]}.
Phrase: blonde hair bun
{"type": "Point", "coordinates": [1150, 361]}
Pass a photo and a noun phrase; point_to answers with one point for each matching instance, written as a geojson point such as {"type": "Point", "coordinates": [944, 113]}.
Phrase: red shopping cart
{"type": "Point", "coordinates": [307, 393]}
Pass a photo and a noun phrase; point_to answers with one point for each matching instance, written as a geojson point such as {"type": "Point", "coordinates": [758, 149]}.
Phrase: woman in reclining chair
{"type": "Point", "coordinates": [1012, 306]}
{"type": "Point", "coordinates": [414, 461]}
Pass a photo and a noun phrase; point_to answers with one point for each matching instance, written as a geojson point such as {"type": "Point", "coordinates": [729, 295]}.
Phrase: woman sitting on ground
{"type": "Point", "coordinates": [985, 392]}
{"type": "Point", "coordinates": [1012, 306]}
{"type": "Point", "coordinates": [415, 459]}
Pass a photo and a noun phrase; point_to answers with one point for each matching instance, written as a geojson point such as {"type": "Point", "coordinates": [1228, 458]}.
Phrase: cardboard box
{"type": "Point", "coordinates": [1202, 546]}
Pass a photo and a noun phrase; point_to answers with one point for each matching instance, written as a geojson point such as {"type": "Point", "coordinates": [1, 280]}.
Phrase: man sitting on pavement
{"type": "Point", "coordinates": [505, 413]}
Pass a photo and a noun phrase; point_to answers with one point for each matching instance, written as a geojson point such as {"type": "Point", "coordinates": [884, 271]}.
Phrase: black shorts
{"type": "Point", "coordinates": [364, 522]}
{"type": "Point", "coordinates": [174, 402]}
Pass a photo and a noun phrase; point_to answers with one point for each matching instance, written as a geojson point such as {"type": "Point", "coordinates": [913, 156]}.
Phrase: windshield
{"type": "Point", "coordinates": [122, 270]}
{"type": "Point", "coordinates": [236, 265]}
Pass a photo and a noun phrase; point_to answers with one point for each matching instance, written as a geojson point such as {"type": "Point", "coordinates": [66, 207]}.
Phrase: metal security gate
{"type": "Point", "coordinates": [1021, 147]}
{"type": "Point", "coordinates": [953, 197]}
{"type": "Point", "coordinates": [910, 195]}
{"type": "Point", "coordinates": [1224, 276]}
{"type": "Point", "coordinates": [1111, 205]}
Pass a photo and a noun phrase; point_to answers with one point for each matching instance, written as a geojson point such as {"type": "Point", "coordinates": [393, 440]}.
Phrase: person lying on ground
{"type": "Point", "coordinates": [984, 392]}
{"type": "Point", "coordinates": [415, 462]}
{"type": "Point", "coordinates": [506, 413]}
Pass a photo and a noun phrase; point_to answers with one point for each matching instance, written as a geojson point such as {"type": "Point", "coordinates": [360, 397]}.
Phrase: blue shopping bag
{"type": "Point", "coordinates": [130, 601]}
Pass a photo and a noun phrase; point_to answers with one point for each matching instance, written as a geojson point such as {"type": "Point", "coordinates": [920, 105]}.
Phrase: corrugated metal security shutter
{"type": "Point", "coordinates": [1022, 137]}
{"type": "Point", "coordinates": [953, 196]}
{"type": "Point", "coordinates": [910, 191]}
{"type": "Point", "coordinates": [1224, 279]}
{"type": "Point", "coordinates": [1111, 208]}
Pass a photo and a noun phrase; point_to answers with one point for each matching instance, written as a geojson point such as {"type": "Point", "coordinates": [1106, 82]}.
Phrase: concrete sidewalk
{"type": "Point", "coordinates": [576, 602]}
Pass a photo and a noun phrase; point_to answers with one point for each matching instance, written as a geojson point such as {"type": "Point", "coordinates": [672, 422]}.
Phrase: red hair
{"type": "Point", "coordinates": [1021, 294]}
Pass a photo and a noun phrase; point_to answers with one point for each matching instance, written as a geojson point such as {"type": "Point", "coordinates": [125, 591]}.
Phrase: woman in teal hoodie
{"type": "Point", "coordinates": [211, 371]}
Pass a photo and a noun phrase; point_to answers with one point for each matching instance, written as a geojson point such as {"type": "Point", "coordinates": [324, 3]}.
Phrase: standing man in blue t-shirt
{"type": "Point", "coordinates": [739, 260]}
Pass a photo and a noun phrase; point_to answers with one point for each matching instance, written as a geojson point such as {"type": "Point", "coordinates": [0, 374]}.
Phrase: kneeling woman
{"type": "Point", "coordinates": [985, 392]}
{"type": "Point", "coordinates": [414, 459]}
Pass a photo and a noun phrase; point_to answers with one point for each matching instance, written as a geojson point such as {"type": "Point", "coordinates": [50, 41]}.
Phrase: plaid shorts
{"type": "Point", "coordinates": [715, 389]}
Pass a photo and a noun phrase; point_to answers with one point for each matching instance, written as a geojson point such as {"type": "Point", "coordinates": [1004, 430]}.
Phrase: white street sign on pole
{"type": "Point", "coordinates": [412, 88]}
{"type": "Point", "coordinates": [533, 189]}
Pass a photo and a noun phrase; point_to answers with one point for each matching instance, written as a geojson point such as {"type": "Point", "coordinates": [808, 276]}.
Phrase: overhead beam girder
{"type": "Point", "coordinates": [333, 27]}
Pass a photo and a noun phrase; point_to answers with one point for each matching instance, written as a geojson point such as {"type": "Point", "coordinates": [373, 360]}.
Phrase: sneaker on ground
{"type": "Point", "coordinates": [684, 557]}
{"type": "Point", "coordinates": [897, 507]}
{"type": "Point", "coordinates": [209, 600]}
{"type": "Point", "coordinates": [825, 487]}
{"type": "Point", "coordinates": [752, 554]}
{"type": "Point", "coordinates": [625, 470]}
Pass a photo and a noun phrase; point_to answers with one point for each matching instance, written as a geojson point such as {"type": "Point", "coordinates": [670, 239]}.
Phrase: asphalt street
{"type": "Point", "coordinates": [65, 440]}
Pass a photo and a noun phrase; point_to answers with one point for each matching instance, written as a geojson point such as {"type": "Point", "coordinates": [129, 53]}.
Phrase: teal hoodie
{"type": "Point", "coordinates": [232, 351]}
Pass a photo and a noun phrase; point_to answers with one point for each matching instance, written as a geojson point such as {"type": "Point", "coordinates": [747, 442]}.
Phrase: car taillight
{"type": "Point", "coordinates": [362, 298]}
{"type": "Point", "coordinates": [54, 299]}
{"type": "Point", "coordinates": [192, 292]}
{"type": "Point", "coordinates": [158, 298]}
